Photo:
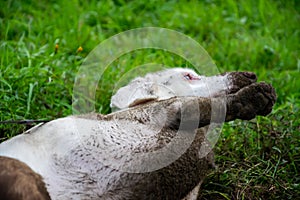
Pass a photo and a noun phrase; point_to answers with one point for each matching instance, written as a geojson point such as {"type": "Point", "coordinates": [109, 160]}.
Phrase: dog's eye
{"type": "Point", "coordinates": [190, 77]}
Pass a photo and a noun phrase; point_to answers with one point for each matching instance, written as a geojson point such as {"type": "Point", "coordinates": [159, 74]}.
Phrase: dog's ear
{"type": "Point", "coordinates": [137, 92]}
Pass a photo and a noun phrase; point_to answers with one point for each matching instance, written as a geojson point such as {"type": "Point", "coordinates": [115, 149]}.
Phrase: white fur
{"type": "Point", "coordinates": [166, 84]}
{"type": "Point", "coordinates": [59, 140]}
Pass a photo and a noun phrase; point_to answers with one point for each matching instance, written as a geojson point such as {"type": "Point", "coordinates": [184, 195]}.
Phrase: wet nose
{"type": "Point", "coordinates": [250, 75]}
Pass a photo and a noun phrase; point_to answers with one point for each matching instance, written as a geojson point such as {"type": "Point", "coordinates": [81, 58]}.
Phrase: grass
{"type": "Point", "coordinates": [39, 59]}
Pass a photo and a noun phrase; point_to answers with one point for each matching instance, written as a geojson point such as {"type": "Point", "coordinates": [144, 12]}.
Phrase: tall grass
{"type": "Point", "coordinates": [39, 59]}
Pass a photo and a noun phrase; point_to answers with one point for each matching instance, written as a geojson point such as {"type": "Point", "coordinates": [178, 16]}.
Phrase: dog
{"type": "Point", "coordinates": [150, 147]}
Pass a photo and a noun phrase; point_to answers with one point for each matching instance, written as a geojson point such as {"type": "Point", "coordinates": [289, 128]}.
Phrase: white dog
{"type": "Point", "coordinates": [143, 152]}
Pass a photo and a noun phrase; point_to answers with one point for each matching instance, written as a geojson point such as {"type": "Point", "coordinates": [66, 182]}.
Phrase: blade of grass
{"type": "Point", "coordinates": [29, 97]}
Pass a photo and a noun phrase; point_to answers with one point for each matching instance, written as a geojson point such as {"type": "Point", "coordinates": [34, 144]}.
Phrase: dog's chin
{"type": "Point", "coordinates": [233, 90]}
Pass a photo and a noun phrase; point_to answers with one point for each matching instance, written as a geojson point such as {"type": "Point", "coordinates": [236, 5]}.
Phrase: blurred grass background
{"type": "Point", "coordinates": [40, 56]}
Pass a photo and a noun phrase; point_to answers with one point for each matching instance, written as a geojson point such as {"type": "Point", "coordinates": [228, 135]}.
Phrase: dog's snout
{"type": "Point", "coordinates": [250, 75]}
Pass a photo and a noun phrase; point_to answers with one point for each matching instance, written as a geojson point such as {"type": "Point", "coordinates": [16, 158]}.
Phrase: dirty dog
{"type": "Point", "coordinates": [115, 156]}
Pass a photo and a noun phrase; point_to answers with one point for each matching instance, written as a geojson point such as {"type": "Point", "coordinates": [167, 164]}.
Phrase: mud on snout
{"type": "Point", "coordinates": [237, 81]}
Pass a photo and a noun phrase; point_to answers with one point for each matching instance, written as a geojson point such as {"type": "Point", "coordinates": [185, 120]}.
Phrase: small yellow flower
{"type": "Point", "coordinates": [79, 49]}
{"type": "Point", "coordinates": [56, 48]}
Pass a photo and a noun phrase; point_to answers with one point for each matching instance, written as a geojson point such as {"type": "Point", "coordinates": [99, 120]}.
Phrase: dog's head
{"type": "Point", "coordinates": [178, 82]}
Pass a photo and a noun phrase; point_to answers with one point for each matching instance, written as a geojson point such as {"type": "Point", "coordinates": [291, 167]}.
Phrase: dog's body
{"type": "Point", "coordinates": [115, 156]}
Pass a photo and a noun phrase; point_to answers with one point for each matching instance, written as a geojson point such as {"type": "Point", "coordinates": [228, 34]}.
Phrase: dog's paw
{"type": "Point", "coordinates": [255, 99]}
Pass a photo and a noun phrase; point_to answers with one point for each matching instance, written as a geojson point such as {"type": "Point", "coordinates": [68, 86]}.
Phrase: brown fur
{"type": "Point", "coordinates": [19, 182]}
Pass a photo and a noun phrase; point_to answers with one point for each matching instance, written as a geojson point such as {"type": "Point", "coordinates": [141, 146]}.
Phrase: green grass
{"type": "Point", "coordinates": [256, 160]}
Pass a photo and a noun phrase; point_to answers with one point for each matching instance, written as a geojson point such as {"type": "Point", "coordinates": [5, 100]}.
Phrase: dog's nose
{"type": "Point", "coordinates": [250, 75]}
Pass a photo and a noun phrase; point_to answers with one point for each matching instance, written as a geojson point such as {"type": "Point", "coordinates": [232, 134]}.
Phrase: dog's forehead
{"type": "Point", "coordinates": [179, 71]}
{"type": "Point", "coordinates": [169, 73]}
